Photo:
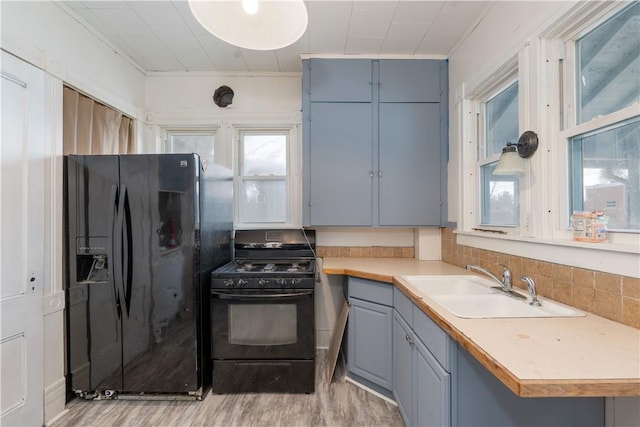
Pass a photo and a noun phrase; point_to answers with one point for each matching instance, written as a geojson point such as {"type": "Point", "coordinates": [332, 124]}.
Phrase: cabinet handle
{"type": "Point", "coordinates": [409, 340]}
{"type": "Point", "coordinates": [380, 174]}
{"type": "Point", "coordinates": [371, 174]}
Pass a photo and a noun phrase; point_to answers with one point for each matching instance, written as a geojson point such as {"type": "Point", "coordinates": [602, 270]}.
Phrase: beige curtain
{"type": "Point", "coordinates": [90, 127]}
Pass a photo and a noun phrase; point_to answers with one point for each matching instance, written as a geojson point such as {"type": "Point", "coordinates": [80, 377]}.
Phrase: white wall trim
{"type": "Point", "coordinates": [203, 118]}
{"type": "Point", "coordinates": [218, 74]}
{"type": "Point", "coordinates": [368, 56]}
{"type": "Point", "coordinates": [53, 302]}
{"type": "Point", "coordinates": [54, 401]}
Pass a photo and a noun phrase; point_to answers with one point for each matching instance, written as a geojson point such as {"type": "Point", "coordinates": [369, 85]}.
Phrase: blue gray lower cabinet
{"type": "Point", "coordinates": [403, 355]}
{"type": "Point", "coordinates": [480, 399]}
{"type": "Point", "coordinates": [396, 349]}
{"type": "Point", "coordinates": [421, 384]}
{"type": "Point", "coordinates": [369, 335]}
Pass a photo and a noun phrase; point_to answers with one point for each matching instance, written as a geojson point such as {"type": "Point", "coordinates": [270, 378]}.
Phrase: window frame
{"type": "Point", "coordinates": [473, 156]}
{"type": "Point", "coordinates": [168, 131]}
{"type": "Point", "coordinates": [485, 160]}
{"type": "Point", "coordinates": [568, 125]}
{"type": "Point", "coordinates": [294, 189]}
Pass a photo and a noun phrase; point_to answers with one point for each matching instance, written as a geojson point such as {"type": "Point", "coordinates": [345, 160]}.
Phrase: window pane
{"type": "Point", "coordinates": [500, 199]}
{"type": "Point", "coordinates": [501, 121]}
{"type": "Point", "coordinates": [264, 154]}
{"type": "Point", "coordinates": [201, 143]}
{"type": "Point", "coordinates": [609, 65]}
{"type": "Point", "coordinates": [606, 174]}
{"type": "Point", "coordinates": [265, 200]}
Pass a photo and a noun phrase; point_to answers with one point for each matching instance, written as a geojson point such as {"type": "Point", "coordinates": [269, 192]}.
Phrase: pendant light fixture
{"type": "Point", "coordinates": [512, 158]}
{"type": "Point", "coordinates": [253, 24]}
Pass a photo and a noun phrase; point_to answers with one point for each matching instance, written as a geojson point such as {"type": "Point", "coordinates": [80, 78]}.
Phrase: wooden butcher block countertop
{"type": "Point", "coordinates": [533, 357]}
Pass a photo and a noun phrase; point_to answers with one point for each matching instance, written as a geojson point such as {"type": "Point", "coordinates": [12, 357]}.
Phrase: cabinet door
{"type": "Point", "coordinates": [340, 164]}
{"type": "Point", "coordinates": [370, 352]}
{"type": "Point", "coordinates": [402, 367]}
{"type": "Point", "coordinates": [339, 80]}
{"type": "Point", "coordinates": [410, 162]}
{"type": "Point", "coordinates": [432, 396]}
{"type": "Point", "coordinates": [410, 80]}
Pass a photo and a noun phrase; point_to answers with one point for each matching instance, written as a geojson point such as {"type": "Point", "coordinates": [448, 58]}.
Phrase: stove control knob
{"type": "Point", "coordinates": [263, 282]}
{"type": "Point", "coordinates": [295, 282]}
{"type": "Point", "coordinates": [229, 283]}
{"type": "Point", "coordinates": [280, 282]}
{"type": "Point", "coordinates": [241, 282]}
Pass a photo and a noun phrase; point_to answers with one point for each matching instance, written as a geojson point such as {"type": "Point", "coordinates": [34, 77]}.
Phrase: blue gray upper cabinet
{"type": "Point", "coordinates": [339, 80]}
{"type": "Point", "coordinates": [404, 80]}
{"type": "Point", "coordinates": [374, 142]}
{"type": "Point", "coordinates": [341, 138]}
{"type": "Point", "coordinates": [409, 164]}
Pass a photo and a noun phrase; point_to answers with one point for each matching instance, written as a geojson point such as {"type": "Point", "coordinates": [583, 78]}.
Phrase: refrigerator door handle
{"type": "Point", "coordinates": [118, 252]}
{"type": "Point", "coordinates": [113, 212]}
{"type": "Point", "coordinates": [127, 248]}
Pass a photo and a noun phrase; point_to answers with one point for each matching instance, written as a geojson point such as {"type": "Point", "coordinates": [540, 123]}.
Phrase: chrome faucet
{"type": "Point", "coordinates": [505, 283]}
{"type": "Point", "coordinates": [506, 277]}
{"type": "Point", "coordinates": [532, 290]}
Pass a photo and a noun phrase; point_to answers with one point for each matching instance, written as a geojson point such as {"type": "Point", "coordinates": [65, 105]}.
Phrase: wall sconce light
{"type": "Point", "coordinates": [511, 160]}
{"type": "Point", "coordinates": [253, 24]}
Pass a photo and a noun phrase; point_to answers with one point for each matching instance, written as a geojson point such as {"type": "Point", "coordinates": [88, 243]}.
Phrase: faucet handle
{"type": "Point", "coordinates": [506, 273]}
{"type": "Point", "coordinates": [532, 290]}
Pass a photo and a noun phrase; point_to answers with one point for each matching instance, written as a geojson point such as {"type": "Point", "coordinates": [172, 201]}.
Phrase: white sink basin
{"type": "Point", "coordinates": [472, 297]}
{"type": "Point", "coordinates": [450, 285]}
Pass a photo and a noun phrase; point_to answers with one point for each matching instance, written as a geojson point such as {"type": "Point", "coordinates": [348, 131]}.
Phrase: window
{"type": "Point", "coordinates": [606, 173]}
{"type": "Point", "coordinates": [201, 142]}
{"type": "Point", "coordinates": [499, 193]}
{"type": "Point", "coordinates": [604, 136]}
{"type": "Point", "coordinates": [264, 178]}
{"type": "Point", "coordinates": [608, 65]}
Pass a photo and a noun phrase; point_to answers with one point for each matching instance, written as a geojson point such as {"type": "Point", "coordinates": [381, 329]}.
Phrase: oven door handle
{"type": "Point", "coordinates": [248, 297]}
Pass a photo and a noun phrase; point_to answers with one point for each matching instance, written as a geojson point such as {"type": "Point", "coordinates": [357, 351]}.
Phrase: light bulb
{"type": "Point", "coordinates": [250, 6]}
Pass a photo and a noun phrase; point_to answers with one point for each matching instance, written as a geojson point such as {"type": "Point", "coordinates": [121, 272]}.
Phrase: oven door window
{"type": "Point", "coordinates": [262, 324]}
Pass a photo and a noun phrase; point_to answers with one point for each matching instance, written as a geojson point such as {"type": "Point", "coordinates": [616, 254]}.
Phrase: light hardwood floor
{"type": "Point", "coordinates": [338, 403]}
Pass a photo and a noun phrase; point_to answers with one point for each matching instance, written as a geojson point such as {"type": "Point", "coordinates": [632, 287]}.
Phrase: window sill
{"type": "Point", "coordinates": [607, 257]}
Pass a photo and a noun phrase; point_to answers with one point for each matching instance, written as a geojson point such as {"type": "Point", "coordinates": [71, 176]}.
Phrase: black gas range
{"type": "Point", "coordinates": [262, 314]}
{"type": "Point", "coordinates": [265, 274]}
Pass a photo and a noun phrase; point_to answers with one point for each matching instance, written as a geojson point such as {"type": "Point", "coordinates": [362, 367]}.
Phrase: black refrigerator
{"type": "Point", "coordinates": [143, 233]}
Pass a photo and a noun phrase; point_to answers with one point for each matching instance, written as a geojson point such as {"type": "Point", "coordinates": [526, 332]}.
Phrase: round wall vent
{"type": "Point", "coordinates": [223, 96]}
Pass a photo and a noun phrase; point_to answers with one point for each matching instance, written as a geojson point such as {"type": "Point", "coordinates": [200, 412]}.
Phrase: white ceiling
{"type": "Point", "coordinates": [163, 35]}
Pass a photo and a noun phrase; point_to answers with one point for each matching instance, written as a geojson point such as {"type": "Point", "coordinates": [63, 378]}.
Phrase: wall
{"type": "Point", "coordinates": [498, 36]}
{"type": "Point", "coordinates": [42, 34]}
{"type": "Point", "coordinates": [508, 32]}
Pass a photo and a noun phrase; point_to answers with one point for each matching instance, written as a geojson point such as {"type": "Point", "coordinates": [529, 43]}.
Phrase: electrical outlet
{"type": "Point", "coordinates": [528, 224]}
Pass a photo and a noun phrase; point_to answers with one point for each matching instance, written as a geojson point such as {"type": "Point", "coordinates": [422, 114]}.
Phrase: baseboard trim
{"type": "Point", "coordinates": [375, 393]}
{"type": "Point", "coordinates": [54, 401]}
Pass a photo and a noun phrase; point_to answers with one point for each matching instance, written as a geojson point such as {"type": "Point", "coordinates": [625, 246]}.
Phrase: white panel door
{"type": "Point", "coordinates": [22, 243]}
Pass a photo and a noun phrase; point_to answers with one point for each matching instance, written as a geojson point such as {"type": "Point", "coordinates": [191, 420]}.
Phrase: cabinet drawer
{"type": "Point", "coordinates": [403, 305]}
{"type": "Point", "coordinates": [369, 290]}
{"type": "Point", "coordinates": [436, 340]}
